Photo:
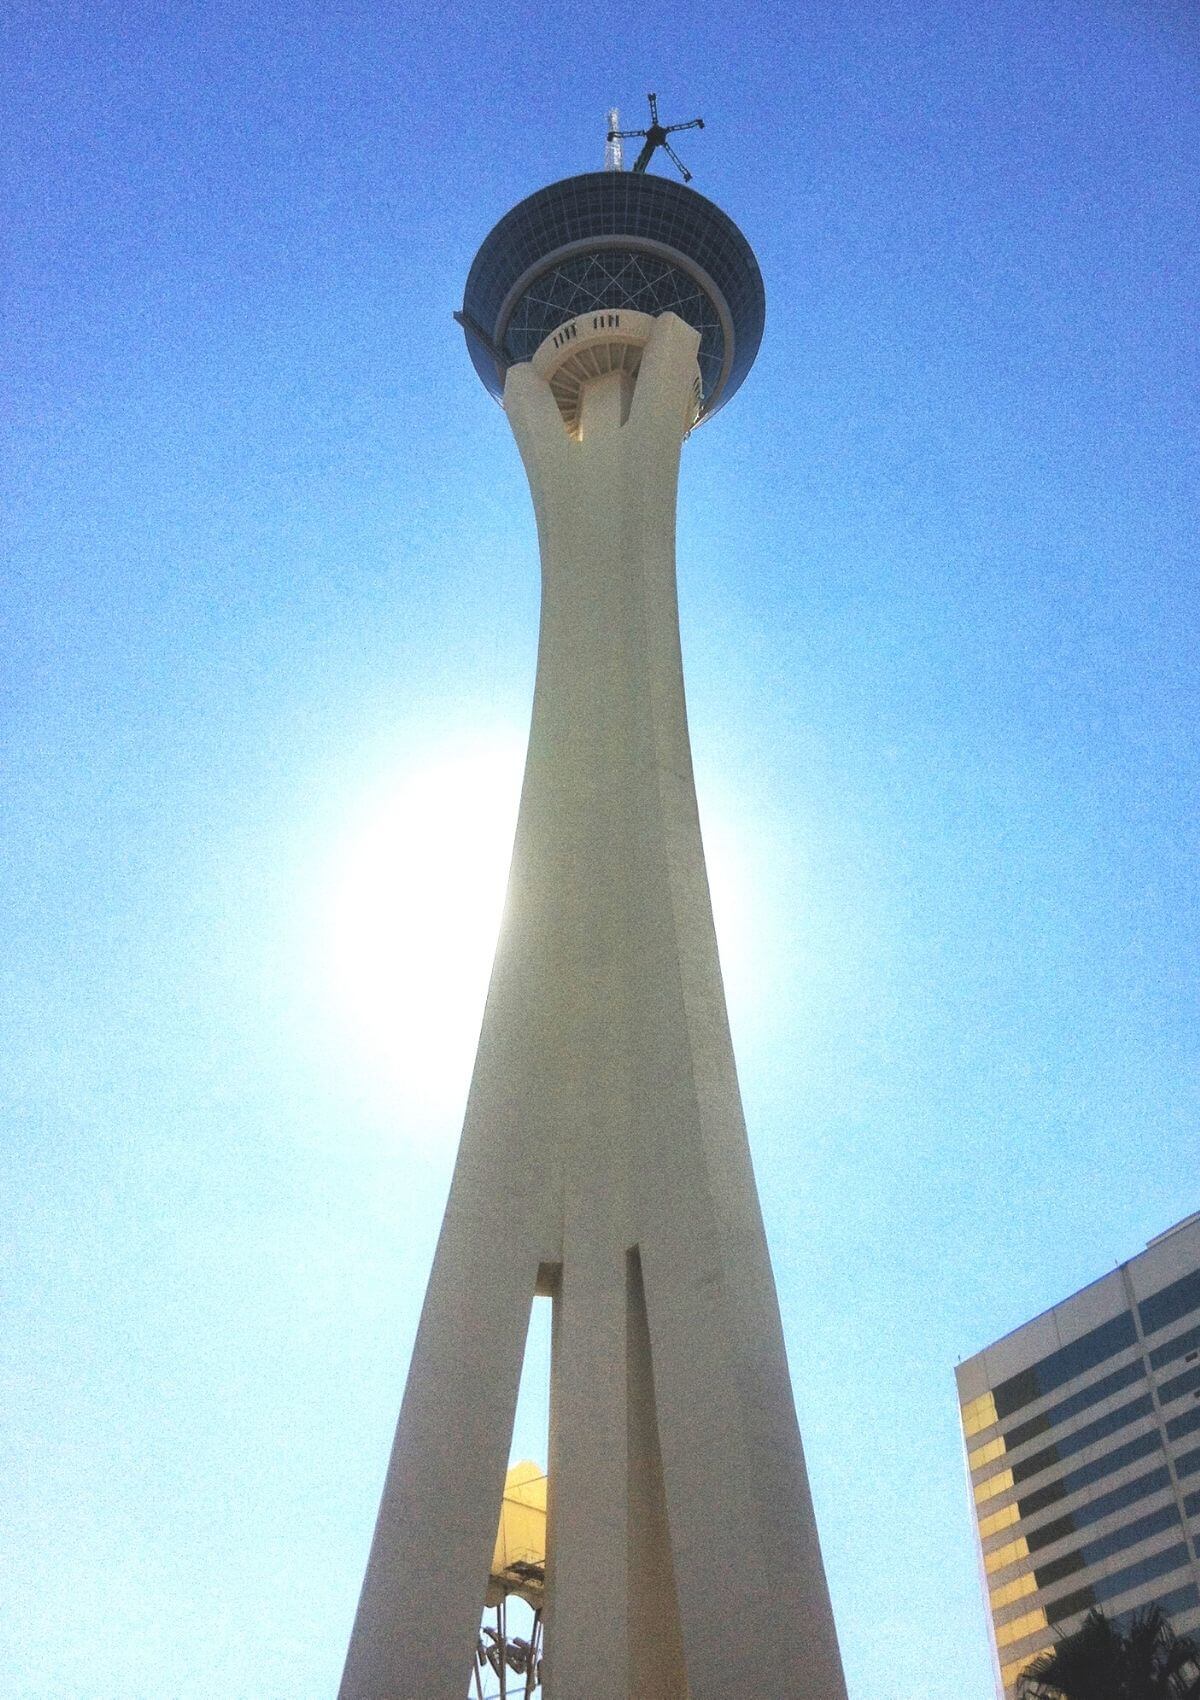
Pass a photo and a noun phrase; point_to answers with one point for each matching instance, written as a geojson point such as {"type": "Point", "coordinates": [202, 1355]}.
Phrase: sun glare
{"type": "Point", "coordinates": [414, 910]}
{"type": "Point", "coordinates": [417, 897]}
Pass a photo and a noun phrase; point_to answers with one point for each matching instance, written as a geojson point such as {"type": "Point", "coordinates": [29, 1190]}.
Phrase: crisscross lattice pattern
{"type": "Point", "coordinates": [615, 277]}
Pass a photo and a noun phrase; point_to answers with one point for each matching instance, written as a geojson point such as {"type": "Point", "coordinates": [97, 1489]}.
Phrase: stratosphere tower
{"type": "Point", "coordinates": [604, 1159]}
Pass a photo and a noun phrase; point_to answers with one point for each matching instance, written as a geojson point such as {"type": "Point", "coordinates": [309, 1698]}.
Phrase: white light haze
{"type": "Point", "coordinates": [414, 900]}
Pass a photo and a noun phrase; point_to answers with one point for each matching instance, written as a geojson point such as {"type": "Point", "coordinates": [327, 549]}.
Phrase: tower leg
{"type": "Point", "coordinates": [418, 1616]}
{"type": "Point", "coordinates": [656, 1663]}
{"type": "Point", "coordinates": [587, 1590]}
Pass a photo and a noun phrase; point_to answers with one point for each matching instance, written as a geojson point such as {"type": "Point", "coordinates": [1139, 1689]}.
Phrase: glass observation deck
{"type": "Point", "coordinates": [612, 239]}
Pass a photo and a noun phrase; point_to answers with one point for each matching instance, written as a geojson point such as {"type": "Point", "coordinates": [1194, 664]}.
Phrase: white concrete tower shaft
{"type": "Point", "coordinates": [604, 1159]}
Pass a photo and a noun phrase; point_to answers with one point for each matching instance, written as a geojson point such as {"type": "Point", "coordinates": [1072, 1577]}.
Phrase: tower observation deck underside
{"type": "Point", "coordinates": [611, 240]}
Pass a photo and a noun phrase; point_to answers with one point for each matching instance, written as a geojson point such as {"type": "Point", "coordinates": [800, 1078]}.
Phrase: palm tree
{"type": "Point", "coordinates": [1102, 1661]}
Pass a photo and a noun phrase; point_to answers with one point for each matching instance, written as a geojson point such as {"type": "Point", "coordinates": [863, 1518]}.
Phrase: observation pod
{"type": "Point", "coordinates": [612, 240]}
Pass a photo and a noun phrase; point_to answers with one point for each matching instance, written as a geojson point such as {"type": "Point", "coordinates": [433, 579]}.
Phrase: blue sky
{"type": "Point", "coordinates": [270, 604]}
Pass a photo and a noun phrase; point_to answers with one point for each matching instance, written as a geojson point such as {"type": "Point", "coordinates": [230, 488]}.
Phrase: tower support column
{"type": "Point", "coordinates": [604, 1146]}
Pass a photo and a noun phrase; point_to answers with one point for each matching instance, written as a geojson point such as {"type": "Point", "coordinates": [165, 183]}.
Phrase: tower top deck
{"type": "Point", "coordinates": [612, 240]}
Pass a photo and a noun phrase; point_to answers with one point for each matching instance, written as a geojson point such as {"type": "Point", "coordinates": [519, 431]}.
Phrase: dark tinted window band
{"type": "Point", "coordinates": [1042, 1424]}
{"type": "Point", "coordinates": [1046, 1575]}
{"type": "Point", "coordinates": [1187, 1423]}
{"type": "Point", "coordinates": [1094, 1552]}
{"type": "Point", "coordinates": [1065, 1364]}
{"type": "Point", "coordinates": [1145, 1570]}
{"type": "Point", "coordinates": [1056, 1530]}
{"type": "Point", "coordinates": [1067, 1445]}
{"type": "Point", "coordinates": [1177, 1348]}
{"type": "Point", "coordinates": [1187, 1463]}
{"type": "Point", "coordinates": [1115, 1500]}
{"type": "Point", "coordinates": [1177, 1601]}
{"type": "Point", "coordinates": [1040, 1499]}
{"type": "Point", "coordinates": [1120, 1582]}
{"type": "Point", "coordinates": [1071, 1407]}
{"type": "Point", "coordinates": [1120, 1540]}
{"type": "Point", "coordinates": [1141, 1447]}
{"type": "Point", "coordinates": [1192, 1505]}
{"type": "Point", "coordinates": [1141, 1529]}
{"type": "Point", "coordinates": [1179, 1385]}
{"type": "Point", "coordinates": [1084, 1600]}
{"type": "Point", "coordinates": [1172, 1303]}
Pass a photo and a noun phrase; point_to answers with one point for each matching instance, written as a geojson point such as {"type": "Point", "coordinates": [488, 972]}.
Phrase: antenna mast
{"type": "Point", "coordinates": [655, 137]}
{"type": "Point", "coordinates": [614, 153]}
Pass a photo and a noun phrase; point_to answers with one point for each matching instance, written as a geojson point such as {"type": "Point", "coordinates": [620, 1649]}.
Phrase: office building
{"type": "Point", "coordinates": [1082, 1431]}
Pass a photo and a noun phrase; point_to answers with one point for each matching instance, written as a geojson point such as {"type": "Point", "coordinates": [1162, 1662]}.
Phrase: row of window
{"type": "Point", "coordinates": [1108, 1424]}
{"type": "Point", "coordinates": [1094, 1552]}
{"type": "Point", "coordinates": [978, 1414]}
{"type": "Point", "coordinates": [1096, 1510]}
{"type": "Point", "coordinates": [1083, 1599]}
{"type": "Point", "coordinates": [992, 1485]}
{"type": "Point", "coordinates": [1014, 1590]}
{"type": "Point", "coordinates": [1057, 1368]}
{"type": "Point", "coordinates": [601, 205]}
{"type": "Point", "coordinates": [997, 1520]}
{"type": "Point", "coordinates": [1179, 1347]}
{"type": "Point", "coordinates": [1171, 1303]}
{"type": "Point", "coordinates": [1174, 1603]}
{"type": "Point", "coordinates": [616, 277]}
{"type": "Point", "coordinates": [1068, 1444]}
{"type": "Point", "coordinates": [1188, 1382]}
{"type": "Point", "coordinates": [1141, 1446]}
{"type": "Point", "coordinates": [1075, 1403]}
{"type": "Point", "coordinates": [1187, 1422]}
{"type": "Point", "coordinates": [1092, 1511]}
{"type": "Point", "coordinates": [1065, 1364]}
{"type": "Point", "coordinates": [981, 1413]}
{"type": "Point", "coordinates": [1010, 1672]}
{"type": "Point", "coordinates": [1118, 1540]}
{"type": "Point", "coordinates": [1120, 1582]}
{"type": "Point", "coordinates": [1012, 1552]}
{"type": "Point", "coordinates": [1017, 1628]}
{"type": "Point", "coordinates": [984, 1454]}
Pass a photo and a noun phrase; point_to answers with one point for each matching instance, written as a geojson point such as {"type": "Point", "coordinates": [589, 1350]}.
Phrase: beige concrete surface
{"type": "Point", "coordinates": [604, 1156]}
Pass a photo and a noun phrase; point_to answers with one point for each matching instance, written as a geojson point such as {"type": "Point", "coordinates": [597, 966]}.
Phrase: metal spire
{"type": "Point", "coordinates": [655, 137]}
{"type": "Point", "coordinates": [614, 153]}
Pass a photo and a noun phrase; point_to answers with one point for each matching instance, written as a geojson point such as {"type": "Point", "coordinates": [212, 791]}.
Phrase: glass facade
{"type": "Point", "coordinates": [635, 240]}
{"type": "Point", "coordinates": [1092, 1552]}
{"type": "Point", "coordinates": [1172, 1303]}
{"type": "Point", "coordinates": [1096, 1510]}
{"type": "Point", "coordinates": [1068, 1408]}
{"type": "Point", "coordinates": [1142, 1446]}
{"type": "Point", "coordinates": [1064, 1365]}
{"type": "Point", "coordinates": [1185, 1346]}
{"type": "Point", "coordinates": [1068, 1444]}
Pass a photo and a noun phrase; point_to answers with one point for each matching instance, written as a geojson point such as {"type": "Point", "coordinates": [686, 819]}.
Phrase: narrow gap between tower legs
{"type": "Point", "coordinates": [509, 1653]}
